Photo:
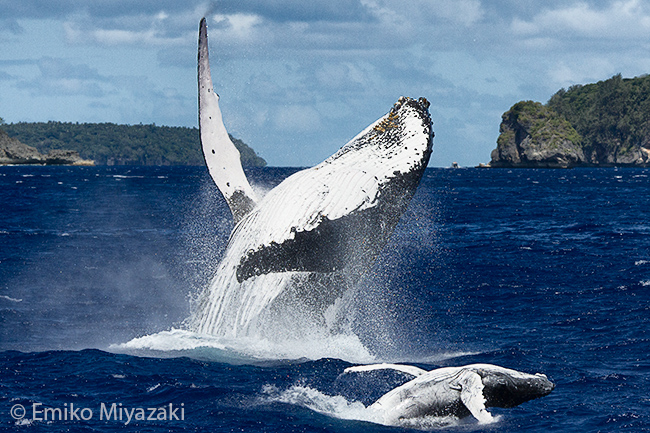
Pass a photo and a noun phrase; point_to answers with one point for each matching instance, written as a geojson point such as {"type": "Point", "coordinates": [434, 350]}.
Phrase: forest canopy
{"type": "Point", "coordinates": [612, 116]}
{"type": "Point", "coordinates": [113, 144]}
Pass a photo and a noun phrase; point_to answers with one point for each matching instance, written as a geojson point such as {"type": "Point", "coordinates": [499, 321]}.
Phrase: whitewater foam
{"type": "Point", "coordinates": [180, 342]}
{"type": "Point", "coordinates": [338, 406]}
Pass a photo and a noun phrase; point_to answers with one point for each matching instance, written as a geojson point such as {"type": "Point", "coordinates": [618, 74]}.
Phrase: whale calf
{"type": "Point", "coordinates": [315, 233]}
{"type": "Point", "coordinates": [455, 391]}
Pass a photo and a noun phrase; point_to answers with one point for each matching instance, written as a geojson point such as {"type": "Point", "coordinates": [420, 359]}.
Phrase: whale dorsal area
{"type": "Point", "coordinates": [221, 155]}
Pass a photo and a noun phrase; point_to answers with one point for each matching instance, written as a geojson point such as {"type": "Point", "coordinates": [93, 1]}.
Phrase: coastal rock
{"type": "Point", "coordinates": [604, 124]}
{"type": "Point", "coordinates": [532, 135]}
{"type": "Point", "coordinates": [66, 157]}
{"type": "Point", "coordinates": [13, 151]}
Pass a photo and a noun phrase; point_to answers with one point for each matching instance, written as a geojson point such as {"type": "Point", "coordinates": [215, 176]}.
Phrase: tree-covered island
{"type": "Point", "coordinates": [603, 124]}
{"type": "Point", "coordinates": [113, 144]}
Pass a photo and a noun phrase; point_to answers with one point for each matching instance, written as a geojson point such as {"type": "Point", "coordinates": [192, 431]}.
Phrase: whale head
{"type": "Point", "coordinates": [400, 142]}
{"type": "Point", "coordinates": [509, 388]}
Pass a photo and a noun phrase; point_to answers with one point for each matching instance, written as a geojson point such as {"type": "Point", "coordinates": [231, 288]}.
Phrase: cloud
{"type": "Point", "coordinates": [465, 12]}
{"type": "Point", "coordinates": [623, 19]}
{"type": "Point", "coordinates": [10, 26]}
{"type": "Point", "coordinates": [156, 29]}
{"type": "Point", "coordinates": [59, 77]}
{"type": "Point", "coordinates": [298, 10]}
{"type": "Point", "coordinates": [237, 26]}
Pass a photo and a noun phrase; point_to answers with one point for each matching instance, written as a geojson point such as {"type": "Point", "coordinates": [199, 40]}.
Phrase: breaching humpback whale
{"type": "Point", "coordinates": [455, 391]}
{"type": "Point", "coordinates": [319, 229]}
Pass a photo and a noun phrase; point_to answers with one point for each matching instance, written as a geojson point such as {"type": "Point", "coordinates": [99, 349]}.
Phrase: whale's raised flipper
{"type": "Point", "coordinates": [221, 155]}
{"type": "Point", "coordinates": [408, 369]}
{"type": "Point", "coordinates": [471, 394]}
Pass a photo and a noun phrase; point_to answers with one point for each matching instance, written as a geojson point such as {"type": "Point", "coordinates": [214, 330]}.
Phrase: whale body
{"type": "Point", "coordinates": [312, 236]}
{"type": "Point", "coordinates": [455, 391]}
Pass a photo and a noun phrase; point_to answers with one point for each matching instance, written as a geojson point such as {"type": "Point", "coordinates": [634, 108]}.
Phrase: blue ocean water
{"type": "Point", "coordinates": [537, 270]}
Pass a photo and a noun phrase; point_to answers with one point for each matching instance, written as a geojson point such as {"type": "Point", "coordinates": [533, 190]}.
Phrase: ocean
{"type": "Point", "coordinates": [537, 270]}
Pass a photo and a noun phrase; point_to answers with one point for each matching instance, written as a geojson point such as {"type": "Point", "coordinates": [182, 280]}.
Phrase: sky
{"type": "Point", "coordinates": [297, 78]}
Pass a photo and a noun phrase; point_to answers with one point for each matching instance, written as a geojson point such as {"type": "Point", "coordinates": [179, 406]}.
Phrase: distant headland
{"type": "Point", "coordinates": [106, 144]}
{"type": "Point", "coordinates": [606, 124]}
{"type": "Point", "coordinates": [12, 151]}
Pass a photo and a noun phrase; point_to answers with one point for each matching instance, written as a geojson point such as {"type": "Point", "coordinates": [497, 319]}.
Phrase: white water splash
{"type": "Point", "coordinates": [338, 406]}
{"type": "Point", "coordinates": [179, 342]}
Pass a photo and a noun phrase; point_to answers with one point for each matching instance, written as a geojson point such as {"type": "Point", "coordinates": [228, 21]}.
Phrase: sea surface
{"type": "Point", "coordinates": [537, 270]}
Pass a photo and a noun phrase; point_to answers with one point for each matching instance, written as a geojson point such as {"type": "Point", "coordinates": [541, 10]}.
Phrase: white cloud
{"type": "Point", "coordinates": [151, 31]}
{"type": "Point", "coordinates": [581, 70]}
{"type": "Point", "coordinates": [621, 19]}
{"type": "Point", "coordinates": [422, 13]}
{"type": "Point", "coordinates": [59, 77]}
{"type": "Point", "coordinates": [238, 26]}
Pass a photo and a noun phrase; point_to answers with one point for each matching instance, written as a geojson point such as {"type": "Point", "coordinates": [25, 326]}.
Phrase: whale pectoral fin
{"type": "Point", "coordinates": [408, 369]}
{"type": "Point", "coordinates": [471, 394]}
{"type": "Point", "coordinates": [221, 155]}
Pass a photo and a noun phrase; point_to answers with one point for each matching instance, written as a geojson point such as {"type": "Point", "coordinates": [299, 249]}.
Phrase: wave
{"type": "Point", "coordinates": [345, 347]}
{"type": "Point", "coordinates": [180, 342]}
{"type": "Point", "coordinates": [9, 298]}
{"type": "Point", "coordinates": [122, 176]}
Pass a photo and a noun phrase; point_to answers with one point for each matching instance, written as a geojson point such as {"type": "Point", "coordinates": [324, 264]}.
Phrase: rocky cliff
{"type": "Point", "coordinates": [532, 135]}
{"type": "Point", "coordinates": [12, 151]}
{"type": "Point", "coordinates": [596, 125]}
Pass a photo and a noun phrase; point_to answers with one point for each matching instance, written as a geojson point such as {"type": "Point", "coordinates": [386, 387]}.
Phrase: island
{"type": "Point", "coordinates": [605, 124]}
{"type": "Point", "coordinates": [13, 151]}
{"type": "Point", "coordinates": [111, 144]}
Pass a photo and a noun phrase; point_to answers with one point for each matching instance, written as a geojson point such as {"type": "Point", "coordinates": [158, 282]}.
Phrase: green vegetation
{"type": "Point", "coordinates": [612, 115]}
{"type": "Point", "coordinates": [601, 124]}
{"type": "Point", "coordinates": [545, 126]}
{"type": "Point", "coordinates": [112, 144]}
